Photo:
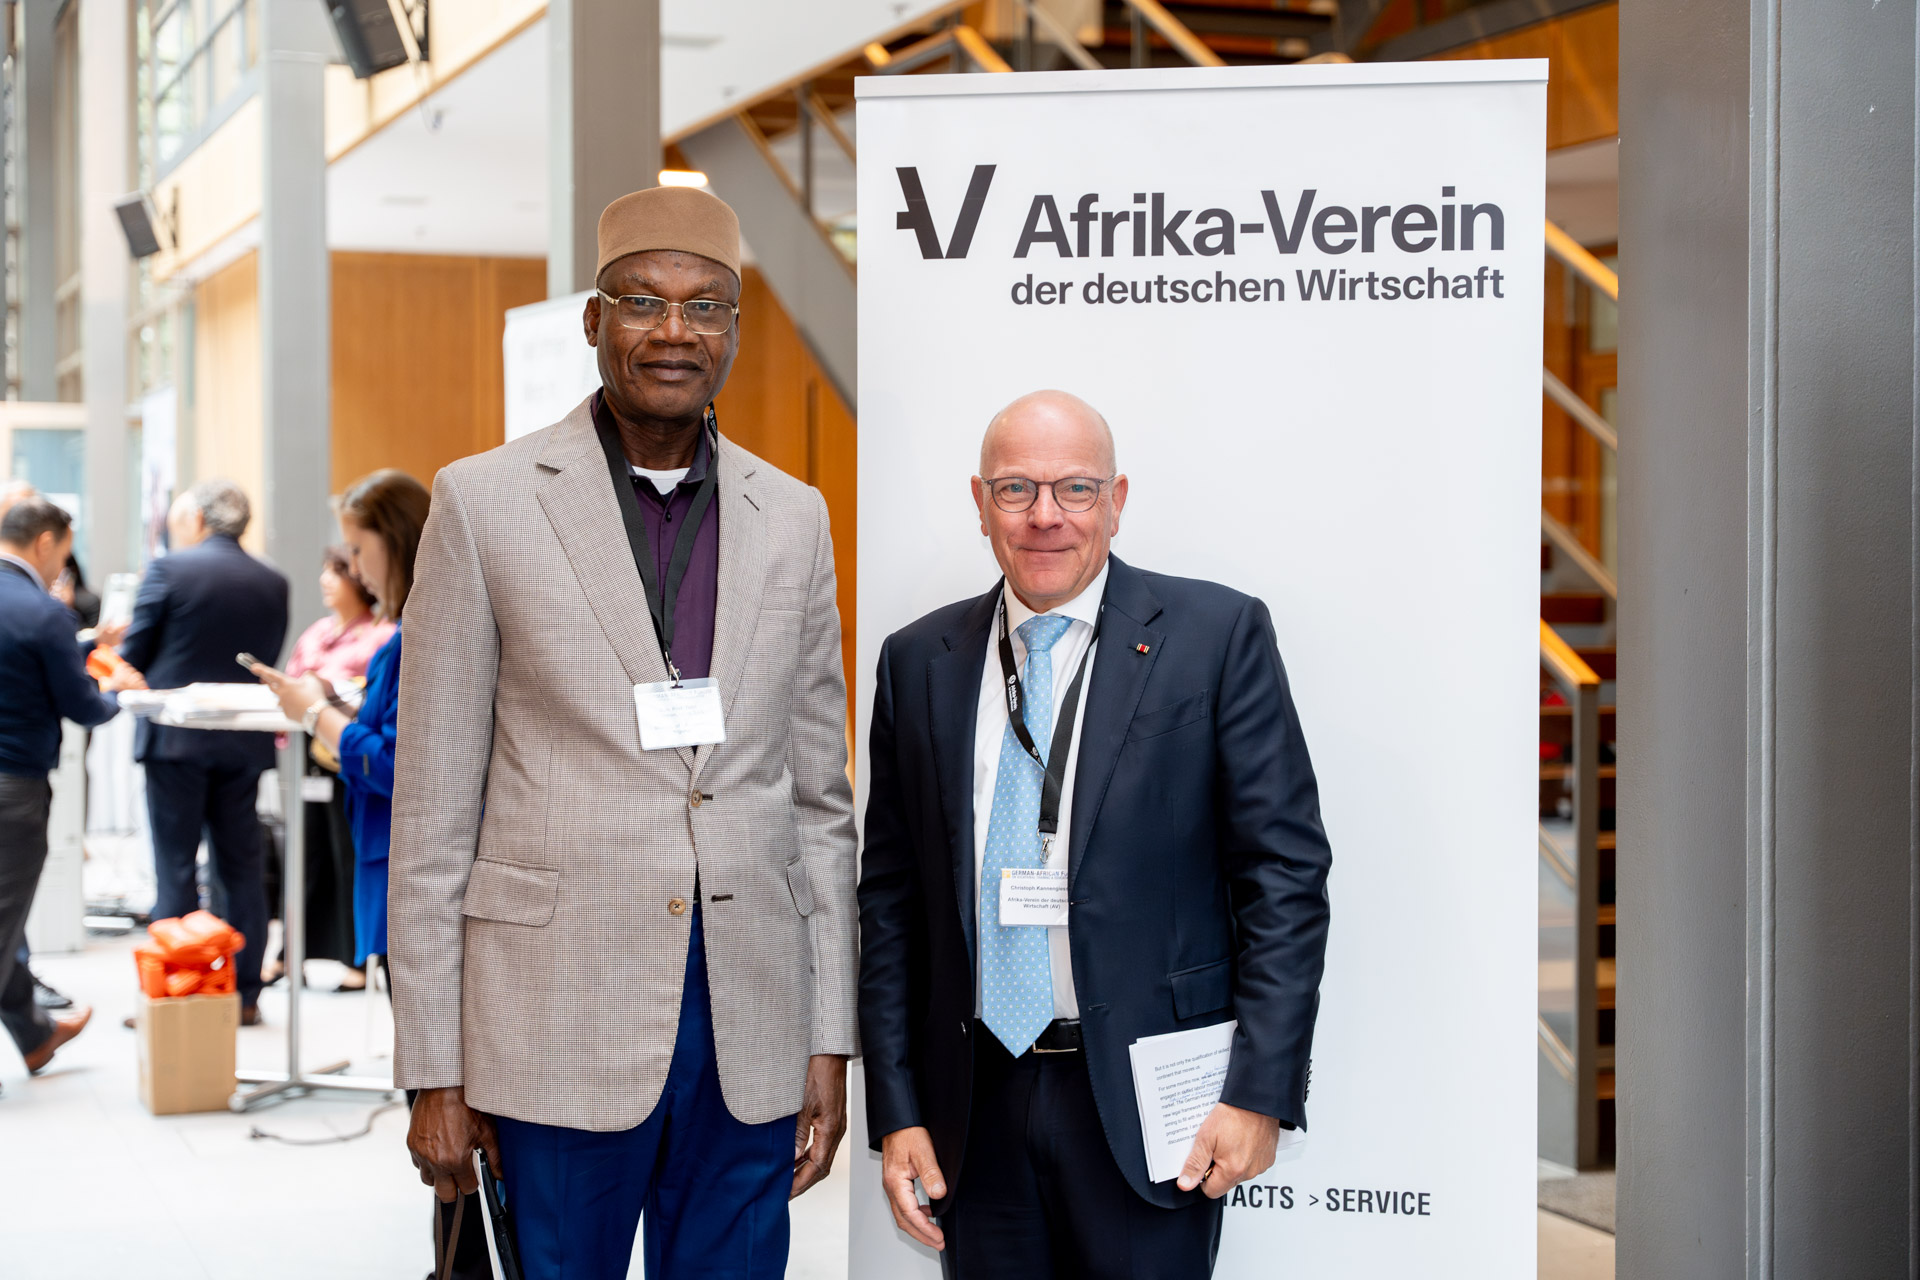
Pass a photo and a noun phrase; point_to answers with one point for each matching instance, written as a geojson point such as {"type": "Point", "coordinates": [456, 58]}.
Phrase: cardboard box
{"type": "Point", "coordinates": [186, 1052]}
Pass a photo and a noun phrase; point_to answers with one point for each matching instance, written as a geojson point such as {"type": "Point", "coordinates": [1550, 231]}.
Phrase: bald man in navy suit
{"type": "Point", "coordinates": [1185, 816]}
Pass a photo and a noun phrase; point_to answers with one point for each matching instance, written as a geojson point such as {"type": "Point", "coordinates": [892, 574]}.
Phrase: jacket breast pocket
{"type": "Point", "coordinates": [511, 894]}
{"type": "Point", "coordinates": [1151, 724]}
{"type": "Point", "coordinates": [1202, 989]}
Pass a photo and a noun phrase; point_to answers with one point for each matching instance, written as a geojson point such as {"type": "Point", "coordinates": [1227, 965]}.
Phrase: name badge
{"type": "Point", "coordinates": [316, 788]}
{"type": "Point", "coordinates": [684, 716]}
{"type": "Point", "coordinates": [1033, 895]}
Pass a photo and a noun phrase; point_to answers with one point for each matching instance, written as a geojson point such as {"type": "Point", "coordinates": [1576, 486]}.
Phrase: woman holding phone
{"type": "Point", "coordinates": [381, 517]}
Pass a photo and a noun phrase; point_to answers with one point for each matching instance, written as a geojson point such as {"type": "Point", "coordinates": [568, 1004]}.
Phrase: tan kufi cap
{"type": "Point", "coordinates": [686, 219]}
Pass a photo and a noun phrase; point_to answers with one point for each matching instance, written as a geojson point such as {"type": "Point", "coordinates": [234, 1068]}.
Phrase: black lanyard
{"type": "Point", "coordinates": [1054, 767]}
{"type": "Point", "coordinates": [661, 604]}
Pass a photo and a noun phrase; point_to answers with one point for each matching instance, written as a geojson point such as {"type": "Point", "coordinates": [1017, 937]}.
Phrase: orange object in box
{"type": "Point", "coordinates": [187, 956]}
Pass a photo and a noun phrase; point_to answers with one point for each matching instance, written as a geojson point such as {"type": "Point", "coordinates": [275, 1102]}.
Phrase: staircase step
{"type": "Point", "coordinates": [1558, 772]}
{"type": "Point", "coordinates": [1574, 608]}
{"type": "Point", "coordinates": [1604, 974]}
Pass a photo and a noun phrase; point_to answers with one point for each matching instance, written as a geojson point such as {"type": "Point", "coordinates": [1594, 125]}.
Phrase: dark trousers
{"type": "Point", "coordinates": [183, 801]}
{"type": "Point", "coordinates": [713, 1190]}
{"type": "Point", "coordinates": [24, 804]}
{"type": "Point", "coordinates": [329, 875]}
{"type": "Point", "coordinates": [1041, 1197]}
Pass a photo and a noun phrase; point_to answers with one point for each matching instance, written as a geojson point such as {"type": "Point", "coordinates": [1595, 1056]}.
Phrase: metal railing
{"type": "Point", "coordinates": [1579, 1062]}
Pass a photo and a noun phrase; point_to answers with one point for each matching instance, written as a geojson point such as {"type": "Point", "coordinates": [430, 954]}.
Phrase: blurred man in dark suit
{"type": "Point", "coordinates": [1177, 807]}
{"type": "Point", "coordinates": [43, 679]}
{"type": "Point", "coordinates": [199, 606]}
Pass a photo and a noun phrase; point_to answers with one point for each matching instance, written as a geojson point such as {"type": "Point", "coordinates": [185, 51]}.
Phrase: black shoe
{"type": "Point", "coordinates": [47, 998]}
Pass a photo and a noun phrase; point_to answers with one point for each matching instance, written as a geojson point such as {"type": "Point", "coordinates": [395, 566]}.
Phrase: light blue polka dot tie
{"type": "Point", "coordinates": [1016, 978]}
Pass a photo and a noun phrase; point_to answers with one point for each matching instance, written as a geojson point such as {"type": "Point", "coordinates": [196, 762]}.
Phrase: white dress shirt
{"type": "Point", "coordinates": [991, 727]}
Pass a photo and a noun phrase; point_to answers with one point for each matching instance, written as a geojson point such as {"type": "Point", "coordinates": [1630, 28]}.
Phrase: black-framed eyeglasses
{"type": "Point", "coordinates": [644, 311]}
{"type": "Point", "coordinates": [1015, 494]}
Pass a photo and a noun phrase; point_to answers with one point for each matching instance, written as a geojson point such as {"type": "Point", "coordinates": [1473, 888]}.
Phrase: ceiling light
{"type": "Point", "coordinates": [682, 178]}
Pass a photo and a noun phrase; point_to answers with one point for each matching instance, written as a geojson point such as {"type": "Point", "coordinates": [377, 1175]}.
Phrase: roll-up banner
{"type": "Point", "coordinates": [1308, 300]}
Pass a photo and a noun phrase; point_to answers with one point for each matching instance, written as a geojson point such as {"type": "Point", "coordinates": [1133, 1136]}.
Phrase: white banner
{"type": "Point", "coordinates": [1308, 299]}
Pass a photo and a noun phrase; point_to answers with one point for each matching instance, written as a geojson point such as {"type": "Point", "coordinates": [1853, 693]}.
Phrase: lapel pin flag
{"type": "Point", "coordinates": [1140, 648]}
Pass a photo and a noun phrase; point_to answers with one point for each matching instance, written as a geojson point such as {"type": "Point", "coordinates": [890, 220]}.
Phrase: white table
{"type": "Point", "coordinates": [293, 918]}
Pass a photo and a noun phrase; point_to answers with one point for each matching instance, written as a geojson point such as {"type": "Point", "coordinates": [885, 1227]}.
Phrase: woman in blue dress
{"type": "Point", "coordinates": [381, 517]}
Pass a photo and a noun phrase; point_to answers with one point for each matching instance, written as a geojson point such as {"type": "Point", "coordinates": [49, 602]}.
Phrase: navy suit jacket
{"type": "Point", "coordinates": [1197, 861]}
{"type": "Point", "coordinates": [197, 609]}
{"type": "Point", "coordinates": [43, 676]}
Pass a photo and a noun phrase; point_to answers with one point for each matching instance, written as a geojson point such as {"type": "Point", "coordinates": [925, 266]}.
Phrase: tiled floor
{"type": "Point", "coordinates": [1570, 1251]}
{"type": "Point", "coordinates": [94, 1188]}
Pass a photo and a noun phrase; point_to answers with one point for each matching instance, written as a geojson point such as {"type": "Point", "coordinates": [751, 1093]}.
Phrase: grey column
{"type": "Point", "coordinates": [604, 121]}
{"type": "Point", "coordinates": [34, 200]}
{"type": "Point", "coordinates": [1767, 865]}
{"type": "Point", "coordinates": [295, 297]}
{"type": "Point", "coordinates": [106, 278]}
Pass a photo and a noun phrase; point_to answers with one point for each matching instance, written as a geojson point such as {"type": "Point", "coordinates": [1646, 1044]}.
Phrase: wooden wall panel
{"type": "Point", "coordinates": [1583, 89]}
{"type": "Point", "coordinates": [417, 378]}
{"type": "Point", "coordinates": [779, 404]}
{"type": "Point", "coordinates": [226, 420]}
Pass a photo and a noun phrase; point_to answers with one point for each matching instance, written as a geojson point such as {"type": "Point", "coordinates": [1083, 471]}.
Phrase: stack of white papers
{"type": "Point", "coordinates": [1177, 1080]}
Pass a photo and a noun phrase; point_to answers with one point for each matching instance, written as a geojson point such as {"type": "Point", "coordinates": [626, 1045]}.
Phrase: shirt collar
{"type": "Point", "coordinates": [32, 572]}
{"type": "Point", "coordinates": [702, 452]}
{"type": "Point", "coordinates": [1084, 607]}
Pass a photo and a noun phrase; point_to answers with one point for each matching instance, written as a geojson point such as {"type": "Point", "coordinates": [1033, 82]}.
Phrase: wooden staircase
{"type": "Point", "coordinates": [1240, 32]}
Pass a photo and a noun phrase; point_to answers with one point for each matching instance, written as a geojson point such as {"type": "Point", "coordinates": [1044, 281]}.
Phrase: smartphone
{"type": "Point", "coordinates": [248, 661]}
{"type": "Point", "coordinates": [499, 1223]}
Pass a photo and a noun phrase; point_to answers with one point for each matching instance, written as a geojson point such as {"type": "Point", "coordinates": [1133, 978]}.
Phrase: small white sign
{"type": "Point", "coordinates": [679, 715]}
{"type": "Point", "coordinates": [1033, 895]}
{"type": "Point", "coordinates": [317, 788]}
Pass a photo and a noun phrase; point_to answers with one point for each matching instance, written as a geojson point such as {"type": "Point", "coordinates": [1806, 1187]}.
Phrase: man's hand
{"type": "Point", "coordinates": [906, 1154]}
{"type": "Point", "coordinates": [1232, 1146]}
{"type": "Point", "coordinates": [442, 1138]}
{"type": "Point", "coordinates": [123, 679]}
{"type": "Point", "coordinates": [110, 634]}
{"type": "Point", "coordinates": [822, 1121]}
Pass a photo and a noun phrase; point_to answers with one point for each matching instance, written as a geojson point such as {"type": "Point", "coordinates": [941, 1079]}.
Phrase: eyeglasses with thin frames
{"type": "Point", "coordinates": [644, 311]}
{"type": "Point", "coordinates": [1014, 494]}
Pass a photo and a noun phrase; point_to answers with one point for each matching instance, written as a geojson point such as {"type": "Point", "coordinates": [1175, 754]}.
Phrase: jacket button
{"type": "Point", "coordinates": [694, 798]}
{"type": "Point", "coordinates": [676, 906]}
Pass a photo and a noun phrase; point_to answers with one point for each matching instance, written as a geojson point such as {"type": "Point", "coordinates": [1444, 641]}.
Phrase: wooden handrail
{"type": "Point", "coordinates": [1585, 265]}
{"type": "Point", "coordinates": [1175, 33]}
{"type": "Point", "coordinates": [984, 55]}
{"type": "Point", "coordinates": [1589, 564]}
{"type": "Point", "coordinates": [1567, 666]}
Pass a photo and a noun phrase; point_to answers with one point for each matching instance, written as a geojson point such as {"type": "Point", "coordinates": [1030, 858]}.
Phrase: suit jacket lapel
{"type": "Point", "coordinates": [953, 699]}
{"type": "Point", "coordinates": [743, 574]}
{"type": "Point", "coordinates": [585, 514]}
{"type": "Point", "coordinates": [1120, 674]}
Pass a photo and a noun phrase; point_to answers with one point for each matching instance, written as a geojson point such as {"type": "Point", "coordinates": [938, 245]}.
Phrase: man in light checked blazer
{"type": "Point", "coordinates": [628, 975]}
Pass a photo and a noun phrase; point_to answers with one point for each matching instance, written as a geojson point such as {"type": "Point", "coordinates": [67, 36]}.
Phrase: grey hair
{"type": "Point", "coordinates": [223, 506]}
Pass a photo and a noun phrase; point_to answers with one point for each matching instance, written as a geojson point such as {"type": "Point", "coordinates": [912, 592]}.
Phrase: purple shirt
{"type": "Point", "coordinates": [700, 588]}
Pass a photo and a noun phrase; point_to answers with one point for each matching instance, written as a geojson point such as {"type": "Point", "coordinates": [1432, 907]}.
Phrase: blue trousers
{"type": "Point", "coordinates": [712, 1189]}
